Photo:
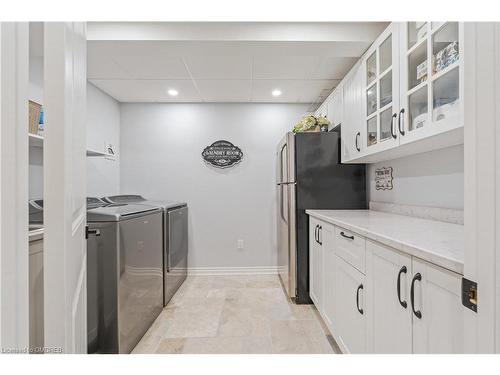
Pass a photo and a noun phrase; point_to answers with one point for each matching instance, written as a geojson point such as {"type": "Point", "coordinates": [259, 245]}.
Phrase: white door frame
{"type": "Point", "coordinates": [482, 182]}
{"type": "Point", "coordinates": [65, 249]}
{"type": "Point", "coordinates": [14, 292]}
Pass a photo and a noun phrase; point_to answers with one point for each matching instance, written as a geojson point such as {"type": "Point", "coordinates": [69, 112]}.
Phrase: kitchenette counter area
{"type": "Point", "coordinates": [437, 242]}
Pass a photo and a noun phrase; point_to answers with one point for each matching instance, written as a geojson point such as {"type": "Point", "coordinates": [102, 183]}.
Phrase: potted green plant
{"type": "Point", "coordinates": [311, 123]}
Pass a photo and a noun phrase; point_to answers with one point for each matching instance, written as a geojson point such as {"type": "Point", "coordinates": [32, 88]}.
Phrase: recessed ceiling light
{"type": "Point", "coordinates": [276, 92]}
{"type": "Point", "coordinates": [173, 92]}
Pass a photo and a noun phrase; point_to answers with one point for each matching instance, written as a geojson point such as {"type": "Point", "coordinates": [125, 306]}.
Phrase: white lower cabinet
{"type": "Point", "coordinates": [320, 248]}
{"type": "Point", "coordinates": [390, 328]}
{"type": "Point", "coordinates": [438, 298]}
{"type": "Point", "coordinates": [401, 304]}
{"type": "Point", "coordinates": [350, 314]}
{"type": "Point", "coordinates": [315, 264]}
{"type": "Point", "coordinates": [329, 264]}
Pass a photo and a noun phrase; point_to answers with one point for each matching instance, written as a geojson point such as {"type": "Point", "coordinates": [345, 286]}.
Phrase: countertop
{"type": "Point", "coordinates": [437, 242]}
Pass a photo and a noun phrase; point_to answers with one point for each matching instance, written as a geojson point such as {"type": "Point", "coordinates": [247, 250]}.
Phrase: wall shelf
{"type": "Point", "coordinates": [95, 153]}
{"type": "Point", "coordinates": [37, 141]}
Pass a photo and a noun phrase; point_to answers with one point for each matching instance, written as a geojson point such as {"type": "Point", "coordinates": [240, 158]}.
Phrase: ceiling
{"type": "Point", "coordinates": [224, 62]}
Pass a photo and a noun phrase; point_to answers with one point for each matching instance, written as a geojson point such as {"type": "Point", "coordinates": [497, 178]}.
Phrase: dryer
{"type": "Point", "coordinates": [175, 239]}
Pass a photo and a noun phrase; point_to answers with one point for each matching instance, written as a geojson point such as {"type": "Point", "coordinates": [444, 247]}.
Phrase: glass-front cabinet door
{"type": "Point", "coordinates": [431, 81]}
{"type": "Point", "coordinates": [381, 92]}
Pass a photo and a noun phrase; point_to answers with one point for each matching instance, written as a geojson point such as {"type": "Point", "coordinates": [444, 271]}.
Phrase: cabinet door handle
{"type": "Point", "coordinates": [417, 277]}
{"type": "Point", "coordinates": [402, 303]}
{"type": "Point", "coordinates": [346, 236]}
{"type": "Point", "coordinates": [94, 232]}
{"type": "Point", "coordinates": [360, 287]}
{"type": "Point", "coordinates": [393, 131]}
{"type": "Point", "coordinates": [320, 231]}
{"type": "Point", "coordinates": [357, 147]}
{"type": "Point", "coordinates": [401, 121]}
{"type": "Point", "coordinates": [316, 233]}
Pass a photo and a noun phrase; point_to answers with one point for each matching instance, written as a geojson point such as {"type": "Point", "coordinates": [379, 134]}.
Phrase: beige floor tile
{"type": "Point", "coordinates": [243, 322]}
{"type": "Point", "coordinates": [235, 314]}
{"type": "Point", "coordinates": [170, 346]}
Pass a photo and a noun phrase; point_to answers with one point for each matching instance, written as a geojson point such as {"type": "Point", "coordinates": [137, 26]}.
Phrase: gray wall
{"type": "Point", "coordinates": [103, 125]}
{"type": "Point", "coordinates": [432, 179]}
{"type": "Point", "coordinates": [161, 147]}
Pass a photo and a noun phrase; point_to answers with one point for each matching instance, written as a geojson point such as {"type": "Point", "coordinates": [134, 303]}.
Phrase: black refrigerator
{"type": "Point", "coordinates": [310, 176]}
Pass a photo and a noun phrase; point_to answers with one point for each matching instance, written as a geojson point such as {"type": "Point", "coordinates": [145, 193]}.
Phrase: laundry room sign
{"type": "Point", "coordinates": [222, 154]}
{"type": "Point", "coordinates": [383, 178]}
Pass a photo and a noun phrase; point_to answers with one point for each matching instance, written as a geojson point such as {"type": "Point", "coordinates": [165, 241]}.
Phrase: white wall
{"type": "Point", "coordinates": [103, 125]}
{"type": "Point", "coordinates": [161, 147]}
{"type": "Point", "coordinates": [432, 179]}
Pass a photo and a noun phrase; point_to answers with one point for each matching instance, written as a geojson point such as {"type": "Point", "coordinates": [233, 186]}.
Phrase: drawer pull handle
{"type": "Point", "coordinates": [402, 303]}
{"type": "Point", "coordinates": [417, 277]}
{"type": "Point", "coordinates": [346, 236]}
{"type": "Point", "coordinates": [360, 287]}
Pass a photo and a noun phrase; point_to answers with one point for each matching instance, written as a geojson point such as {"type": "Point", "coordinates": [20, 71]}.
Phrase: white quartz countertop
{"type": "Point", "coordinates": [437, 242]}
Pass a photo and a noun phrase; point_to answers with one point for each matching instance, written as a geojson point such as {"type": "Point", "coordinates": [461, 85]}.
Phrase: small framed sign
{"type": "Point", "coordinates": [383, 178]}
{"type": "Point", "coordinates": [222, 154]}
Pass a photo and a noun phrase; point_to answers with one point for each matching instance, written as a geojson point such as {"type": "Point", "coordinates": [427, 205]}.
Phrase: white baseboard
{"type": "Point", "coordinates": [215, 271]}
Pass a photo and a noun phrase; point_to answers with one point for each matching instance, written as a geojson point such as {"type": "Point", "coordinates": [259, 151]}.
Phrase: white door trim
{"type": "Point", "coordinates": [481, 122]}
{"type": "Point", "coordinates": [65, 265]}
{"type": "Point", "coordinates": [497, 181]}
{"type": "Point", "coordinates": [14, 294]}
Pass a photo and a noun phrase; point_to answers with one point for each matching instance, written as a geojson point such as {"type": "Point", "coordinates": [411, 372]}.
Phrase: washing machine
{"type": "Point", "coordinates": [124, 274]}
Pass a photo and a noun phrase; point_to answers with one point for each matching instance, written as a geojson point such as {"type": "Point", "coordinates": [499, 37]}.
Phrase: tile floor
{"type": "Point", "coordinates": [235, 314]}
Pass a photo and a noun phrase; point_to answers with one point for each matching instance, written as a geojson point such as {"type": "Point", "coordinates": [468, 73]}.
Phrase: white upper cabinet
{"type": "Point", "coordinates": [381, 92]}
{"type": "Point", "coordinates": [335, 106]}
{"type": "Point", "coordinates": [431, 83]}
{"type": "Point", "coordinates": [411, 93]}
{"type": "Point", "coordinates": [322, 111]}
{"type": "Point", "coordinates": [352, 137]}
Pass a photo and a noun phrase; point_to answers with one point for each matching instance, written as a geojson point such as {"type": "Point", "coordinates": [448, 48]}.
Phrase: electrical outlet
{"type": "Point", "coordinates": [241, 244]}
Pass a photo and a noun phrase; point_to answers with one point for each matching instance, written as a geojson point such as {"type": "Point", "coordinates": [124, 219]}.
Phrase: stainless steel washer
{"type": "Point", "coordinates": [125, 274]}
{"type": "Point", "coordinates": [175, 239]}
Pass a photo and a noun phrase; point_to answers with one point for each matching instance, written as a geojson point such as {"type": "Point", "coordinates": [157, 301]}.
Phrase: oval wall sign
{"type": "Point", "coordinates": [222, 154]}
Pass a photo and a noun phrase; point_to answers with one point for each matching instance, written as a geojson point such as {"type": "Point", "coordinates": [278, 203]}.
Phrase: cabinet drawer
{"type": "Point", "coordinates": [351, 247]}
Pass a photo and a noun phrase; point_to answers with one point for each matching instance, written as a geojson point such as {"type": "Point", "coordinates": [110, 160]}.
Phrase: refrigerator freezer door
{"type": "Point", "coordinates": [285, 171]}
{"type": "Point", "coordinates": [286, 213]}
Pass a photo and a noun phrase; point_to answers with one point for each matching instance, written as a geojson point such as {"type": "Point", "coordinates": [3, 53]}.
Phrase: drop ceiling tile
{"type": "Point", "coordinates": [313, 89]}
{"type": "Point", "coordinates": [105, 68]}
{"type": "Point", "coordinates": [333, 67]}
{"type": "Point", "coordinates": [290, 90]}
{"type": "Point", "coordinates": [148, 90]}
{"type": "Point", "coordinates": [229, 90]}
{"type": "Point", "coordinates": [220, 67]}
{"type": "Point", "coordinates": [153, 66]}
{"type": "Point", "coordinates": [284, 67]}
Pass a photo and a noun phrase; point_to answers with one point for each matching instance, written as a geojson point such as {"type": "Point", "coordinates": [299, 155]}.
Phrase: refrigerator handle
{"type": "Point", "coordinates": [281, 163]}
{"type": "Point", "coordinates": [281, 201]}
